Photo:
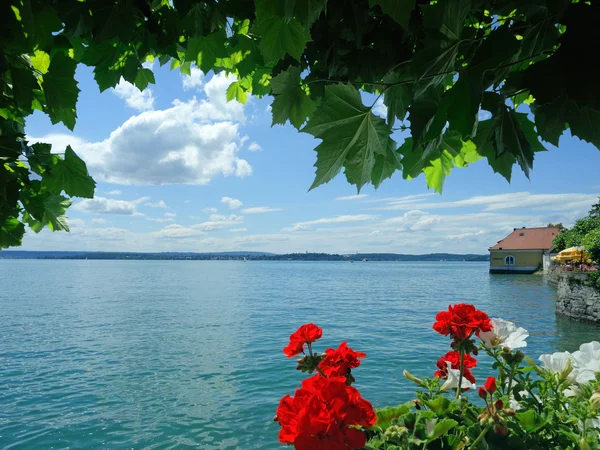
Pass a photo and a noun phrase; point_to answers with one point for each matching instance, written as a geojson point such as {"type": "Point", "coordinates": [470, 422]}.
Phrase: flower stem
{"type": "Point", "coordinates": [510, 380]}
{"type": "Point", "coordinates": [460, 376]}
{"type": "Point", "coordinates": [480, 437]}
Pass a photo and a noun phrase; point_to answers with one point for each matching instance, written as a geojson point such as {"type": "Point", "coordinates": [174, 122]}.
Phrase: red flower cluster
{"type": "Point", "coordinates": [461, 321]}
{"type": "Point", "coordinates": [454, 359]}
{"type": "Point", "coordinates": [306, 334]}
{"type": "Point", "coordinates": [339, 362]}
{"type": "Point", "coordinates": [320, 415]}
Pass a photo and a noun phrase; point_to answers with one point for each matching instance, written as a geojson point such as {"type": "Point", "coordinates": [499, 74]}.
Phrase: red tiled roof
{"type": "Point", "coordinates": [528, 239]}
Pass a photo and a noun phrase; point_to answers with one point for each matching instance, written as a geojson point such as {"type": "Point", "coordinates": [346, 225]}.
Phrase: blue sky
{"type": "Point", "coordinates": [180, 169]}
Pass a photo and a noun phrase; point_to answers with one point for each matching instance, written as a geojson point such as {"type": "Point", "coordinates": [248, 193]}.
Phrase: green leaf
{"type": "Point", "coordinates": [40, 61]}
{"type": "Point", "coordinates": [386, 165]}
{"type": "Point", "coordinates": [54, 216]}
{"type": "Point", "coordinates": [399, 10]}
{"type": "Point", "coordinates": [464, 100]}
{"type": "Point", "coordinates": [352, 135]}
{"type": "Point", "coordinates": [24, 84]}
{"type": "Point", "coordinates": [11, 232]}
{"type": "Point", "coordinates": [397, 97]}
{"type": "Point", "coordinates": [386, 415]}
{"type": "Point", "coordinates": [143, 78]}
{"type": "Point", "coordinates": [61, 90]}
{"type": "Point", "coordinates": [69, 175]}
{"type": "Point", "coordinates": [307, 11]}
{"type": "Point", "coordinates": [447, 18]}
{"type": "Point", "coordinates": [584, 122]}
{"type": "Point", "coordinates": [437, 171]}
{"type": "Point", "coordinates": [530, 421]}
{"type": "Point", "coordinates": [291, 101]}
{"type": "Point", "coordinates": [235, 91]}
{"type": "Point", "coordinates": [281, 37]}
{"type": "Point", "coordinates": [442, 427]}
{"type": "Point", "coordinates": [484, 141]}
{"type": "Point", "coordinates": [206, 49]}
{"type": "Point", "coordinates": [498, 48]}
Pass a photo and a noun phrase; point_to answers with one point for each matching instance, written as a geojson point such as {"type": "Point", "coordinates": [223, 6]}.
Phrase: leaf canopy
{"type": "Point", "coordinates": [438, 66]}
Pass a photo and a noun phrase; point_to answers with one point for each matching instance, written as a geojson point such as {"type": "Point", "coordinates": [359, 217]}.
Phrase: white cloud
{"type": "Point", "coordinates": [238, 230]}
{"type": "Point", "coordinates": [102, 205]}
{"type": "Point", "coordinates": [175, 231]}
{"type": "Point", "coordinates": [98, 221]}
{"type": "Point", "coordinates": [497, 202]}
{"type": "Point", "coordinates": [254, 147]}
{"type": "Point", "coordinates": [136, 99]}
{"type": "Point", "coordinates": [210, 210]}
{"type": "Point", "coordinates": [260, 210]}
{"type": "Point", "coordinates": [192, 142]}
{"type": "Point", "coordinates": [76, 223]}
{"type": "Point", "coordinates": [380, 109]}
{"type": "Point", "coordinates": [232, 203]}
{"type": "Point", "coordinates": [167, 217]}
{"type": "Point", "coordinates": [352, 197]}
{"type": "Point", "coordinates": [115, 192]}
{"type": "Point", "coordinates": [193, 81]}
{"type": "Point", "coordinates": [306, 226]}
{"type": "Point", "coordinates": [159, 204]}
{"type": "Point", "coordinates": [218, 221]}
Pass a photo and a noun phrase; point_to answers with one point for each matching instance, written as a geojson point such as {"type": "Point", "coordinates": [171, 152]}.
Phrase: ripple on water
{"type": "Point", "coordinates": [164, 354]}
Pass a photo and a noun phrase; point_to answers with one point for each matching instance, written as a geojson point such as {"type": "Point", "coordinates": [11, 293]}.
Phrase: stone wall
{"type": "Point", "coordinates": [575, 299]}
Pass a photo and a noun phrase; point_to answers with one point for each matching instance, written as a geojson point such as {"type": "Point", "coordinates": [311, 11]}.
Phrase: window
{"type": "Point", "coordinates": [509, 260]}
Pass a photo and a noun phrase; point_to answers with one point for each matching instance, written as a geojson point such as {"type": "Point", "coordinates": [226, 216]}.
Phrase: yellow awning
{"type": "Point", "coordinates": [575, 254]}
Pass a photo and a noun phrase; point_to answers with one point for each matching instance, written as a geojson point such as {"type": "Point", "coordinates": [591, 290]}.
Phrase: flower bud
{"type": "Point", "coordinates": [499, 404]}
{"type": "Point", "coordinates": [537, 368]}
{"type": "Point", "coordinates": [583, 445]}
{"type": "Point", "coordinates": [500, 429]}
{"type": "Point", "coordinates": [411, 377]}
{"type": "Point", "coordinates": [482, 392]}
{"type": "Point", "coordinates": [519, 355]}
{"type": "Point", "coordinates": [490, 385]}
{"type": "Point", "coordinates": [509, 411]}
{"type": "Point", "coordinates": [595, 400]}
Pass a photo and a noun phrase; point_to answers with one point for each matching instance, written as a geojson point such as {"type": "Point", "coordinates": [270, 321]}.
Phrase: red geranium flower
{"type": "Point", "coordinates": [461, 321]}
{"type": "Point", "coordinates": [338, 362]}
{"type": "Point", "coordinates": [454, 359]}
{"type": "Point", "coordinates": [306, 334]}
{"type": "Point", "coordinates": [320, 415]}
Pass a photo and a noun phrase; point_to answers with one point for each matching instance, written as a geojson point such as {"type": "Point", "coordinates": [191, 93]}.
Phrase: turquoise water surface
{"type": "Point", "coordinates": [188, 354]}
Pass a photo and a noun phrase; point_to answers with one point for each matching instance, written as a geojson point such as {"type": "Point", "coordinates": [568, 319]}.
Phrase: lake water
{"type": "Point", "coordinates": [178, 354]}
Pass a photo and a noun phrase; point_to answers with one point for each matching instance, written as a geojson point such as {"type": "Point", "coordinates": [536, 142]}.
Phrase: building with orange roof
{"type": "Point", "coordinates": [525, 250]}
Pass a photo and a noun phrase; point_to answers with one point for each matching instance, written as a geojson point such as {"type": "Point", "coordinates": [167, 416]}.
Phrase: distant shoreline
{"type": "Point", "coordinates": [240, 256]}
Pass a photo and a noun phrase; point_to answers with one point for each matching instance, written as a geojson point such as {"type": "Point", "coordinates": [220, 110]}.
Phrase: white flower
{"type": "Point", "coordinates": [452, 380]}
{"type": "Point", "coordinates": [587, 361]}
{"type": "Point", "coordinates": [504, 334]}
{"type": "Point", "coordinates": [561, 363]}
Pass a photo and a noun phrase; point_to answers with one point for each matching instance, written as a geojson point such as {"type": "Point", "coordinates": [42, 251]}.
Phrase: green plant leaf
{"type": "Point", "coordinates": [205, 50]}
{"type": "Point", "coordinates": [40, 61]}
{"type": "Point", "coordinates": [484, 141]}
{"type": "Point", "coordinates": [550, 120]}
{"type": "Point", "coordinates": [584, 122]}
{"type": "Point", "coordinates": [291, 101]}
{"type": "Point", "coordinates": [281, 37]}
{"type": "Point", "coordinates": [235, 91]}
{"type": "Point", "coordinates": [397, 98]}
{"type": "Point", "coordinates": [386, 165]}
{"type": "Point", "coordinates": [143, 78]}
{"type": "Point", "coordinates": [54, 216]}
{"type": "Point", "coordinates": [24, 83]}
{"type": "Point", "coordinates": [352, 135]}
{"type": "Point", "coordinates": [307, 11]}
{"type": "Point", "coordinates": [11, 232]}
{"type": "Point", "coordinates": [530, 420]}
{"type": "Point", "coordinates": [442, 427]}
{"type": "Point", "coordinates": [69, 175]}
{"type": "Point", "coordinates": [399, 10]}
{"type": "Point", "coordinates": [61, 90]}
{"type": "Point", "coordinates": [386, 415]}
